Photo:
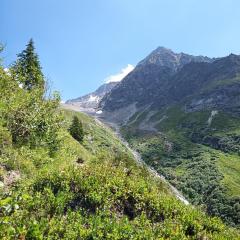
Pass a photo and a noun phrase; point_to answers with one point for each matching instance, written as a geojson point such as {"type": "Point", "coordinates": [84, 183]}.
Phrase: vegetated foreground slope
{"type": "Point", "coordinates": [54, 187]}
{"type": "Point", "coordinates": [183, 117]}
{"type": "Point", "coordinates": [95, 190]}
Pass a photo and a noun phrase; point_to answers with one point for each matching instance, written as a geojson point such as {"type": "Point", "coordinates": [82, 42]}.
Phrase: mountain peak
{"type": "Point", "coordinates": [165, 57]}
{"type": "Point", "coordinates": [161, 52]}
{"type": "Point", "coordinates": [162, 49]}
{"type": "Point", "coordinates": [233, 57]}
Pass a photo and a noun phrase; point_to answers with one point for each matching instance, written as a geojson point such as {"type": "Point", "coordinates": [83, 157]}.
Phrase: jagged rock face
{"type": "Point", "coordinates": [165, 78]}
{"type": "Point", "coordinates": [139, 86]}
{"type": "Point", "coordinates": [208, 85]}
{"type": "Point", "coordinates": [167, 58]}
{"type": "Point", "coordinates": [149, 79]}
{"type": "Point", "coordinates": [91, 100]}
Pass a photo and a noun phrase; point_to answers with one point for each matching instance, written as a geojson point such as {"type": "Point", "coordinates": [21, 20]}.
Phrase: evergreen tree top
{"type": "Point", "coordinates": [76, 129]}
{"type": "Point", "coordinates": [27, 68]}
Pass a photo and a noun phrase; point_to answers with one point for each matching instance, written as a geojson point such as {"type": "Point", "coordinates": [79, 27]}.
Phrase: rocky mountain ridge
{"type": "Point", "coordinates": [89, 102]}
{"type": "Point", "coordinates": [162, 79]}
{"type": "Point", "coordinates": [162, 56]}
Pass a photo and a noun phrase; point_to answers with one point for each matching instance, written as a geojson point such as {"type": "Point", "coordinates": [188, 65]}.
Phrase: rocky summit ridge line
{"type": "Point", "coordinates": [164, 78]}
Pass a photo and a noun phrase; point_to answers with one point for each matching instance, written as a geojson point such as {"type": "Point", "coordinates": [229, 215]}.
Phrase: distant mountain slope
{"type": "Point", "coordinates": [150, 79]}
{"type": "Point", "coordinates": [91, 100]}
{"type": "Point", "coordinates": [163, 78]}
{"type": "Point", "coordinates": [182, 113]}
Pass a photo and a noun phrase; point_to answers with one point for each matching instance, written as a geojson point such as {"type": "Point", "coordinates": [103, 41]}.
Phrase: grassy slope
{"type": "Point", "coordinates": [229, 165]}
{"type": "Point", "coordinates": [195, 166]}
{"type": "Point", "coordinates": [104, 196]}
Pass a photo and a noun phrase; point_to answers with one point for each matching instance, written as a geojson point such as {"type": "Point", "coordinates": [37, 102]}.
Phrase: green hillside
{"type": "Point", "coordinates": [197, 153]}
{"type": "Point", "coordinates": [105, 195]}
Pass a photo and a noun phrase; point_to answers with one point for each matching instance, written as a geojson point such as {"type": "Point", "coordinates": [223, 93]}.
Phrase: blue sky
{"type": "Point", "coordinates": [82, 42]}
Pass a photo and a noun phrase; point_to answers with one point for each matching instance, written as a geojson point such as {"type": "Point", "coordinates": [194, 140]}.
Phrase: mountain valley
{"type": "Point", "coordinates": [181, 113]}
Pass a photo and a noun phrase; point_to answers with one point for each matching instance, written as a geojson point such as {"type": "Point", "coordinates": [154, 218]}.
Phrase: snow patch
{"type": "Point", "coordinates": [93, 98]}
{"type": "Point", "coordinates": [99, 112]}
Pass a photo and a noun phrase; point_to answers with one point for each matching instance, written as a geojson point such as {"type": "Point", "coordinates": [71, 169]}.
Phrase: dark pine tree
{"type": "Point", "coordinates": [27, 69]}
{"type": "Point", "coordinates": [76, 129]}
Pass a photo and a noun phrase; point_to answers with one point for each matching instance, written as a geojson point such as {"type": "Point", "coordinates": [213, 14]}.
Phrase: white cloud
{"type": "Point", "coordinates": [119, 76]}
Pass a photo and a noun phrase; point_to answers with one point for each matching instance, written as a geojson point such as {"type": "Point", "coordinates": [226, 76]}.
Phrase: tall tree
{"type": "Point", "coordinates": [76, 129]}
{"type": "Point", "coordinates": [27, 69]}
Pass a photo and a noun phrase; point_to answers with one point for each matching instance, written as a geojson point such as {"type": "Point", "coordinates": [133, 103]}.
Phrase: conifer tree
{"type": "Point", "coordinates": [76, 129]}
{"type": "Point", "coordinates": [27, 70]}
